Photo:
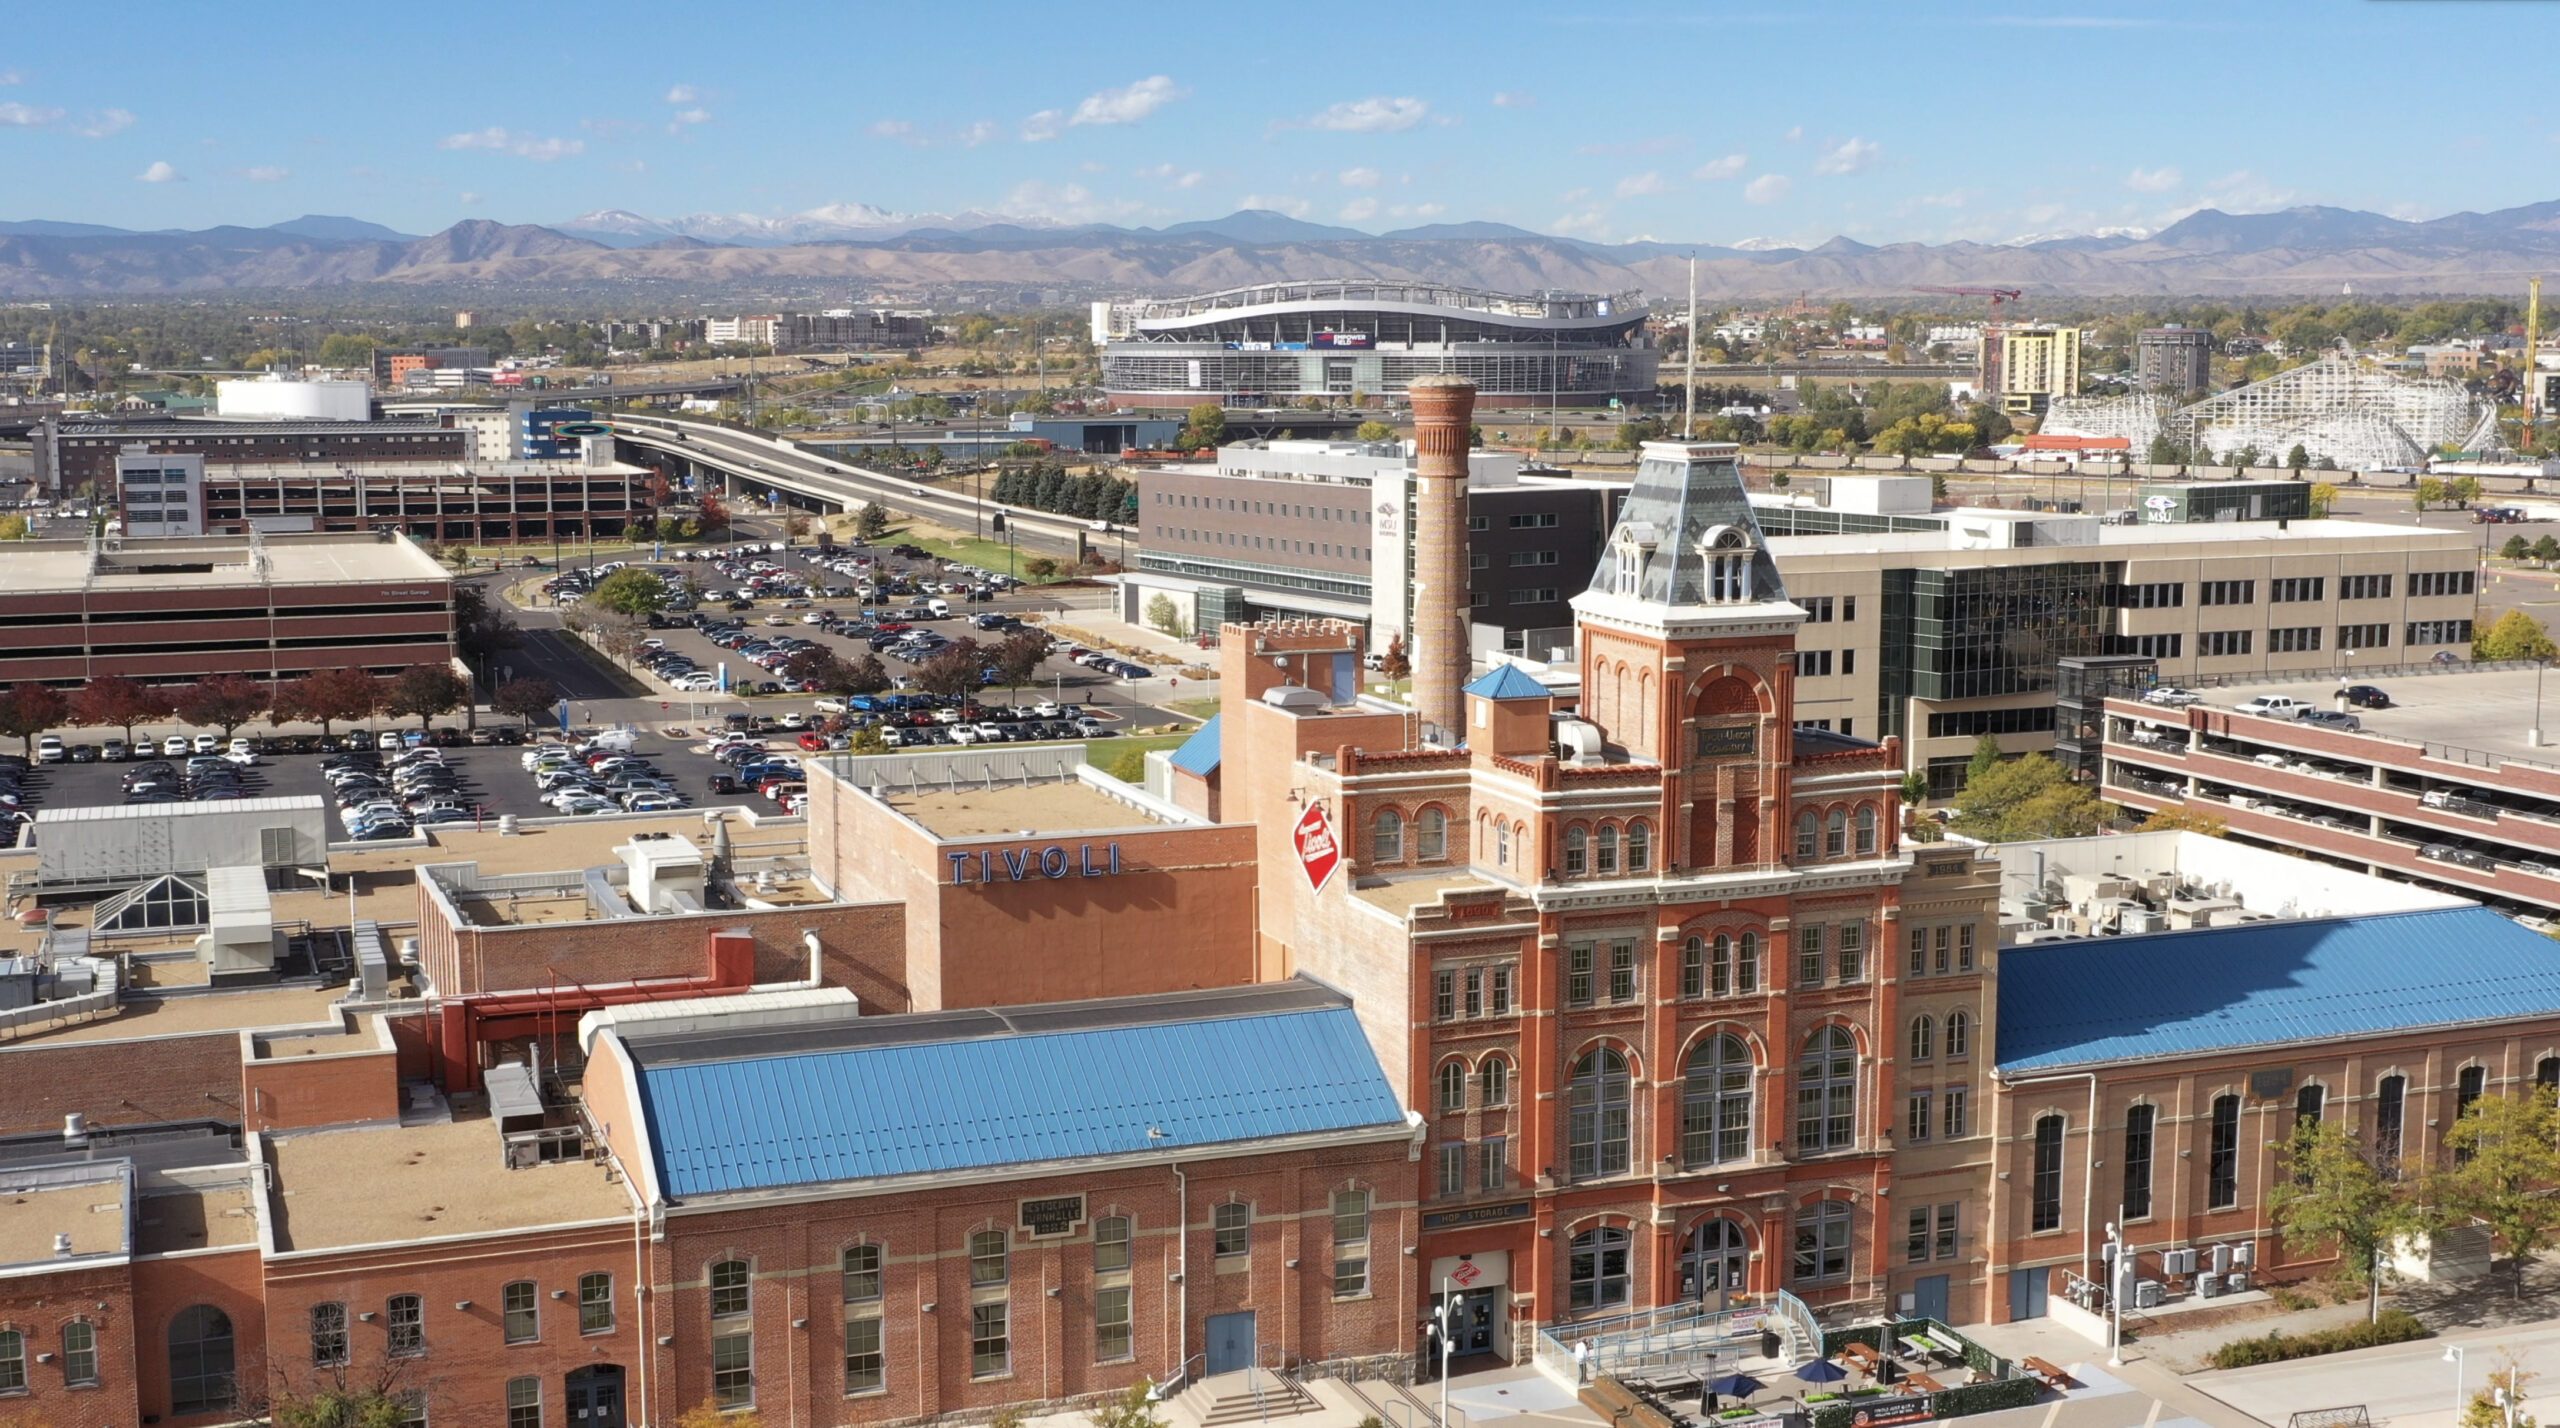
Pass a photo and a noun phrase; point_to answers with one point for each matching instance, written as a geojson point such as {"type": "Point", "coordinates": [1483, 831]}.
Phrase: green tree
{"type": "Point", "coordinates": [864, 674]}
{"type": "Point", "coordinates": [2324, 499]}
{"type": "Point", "coordinates": [2516, 635]}
{"type": "Point", "coordinates": [2023, 798]}
{"type": "Point", "coordinates": [2484, 1410]}
{"type": "Point", "coordinates": [1206, 426]}
{"type": "Point", "coordinates": [1163, 614]}
{"type": "Point", "coordinates": [2502, 1160]}
{"type": "Point", "coordinates": [2186, 820]}
{"type": "Point", "coordinates": [1986, 757]}
{"type": "Point", "coordinates": [1915, 788]}
{"type": "Point", "coordinates": [526, 698]}
{"type": "Point", "coordinates": [2515, 549]}
{"type": "Point", "coordinates": [868, 740]}
{"type": "Point", "coordinates": [2298, 459]}
{"type": "Point", "coordinates": [1397, 662]}
{"type": "Point", "coordinates": [2430, 492]}
{"type": "Point", "coordinates": [2337, 1193]}
{"type": "Point", "coordinates": [13, 527]}
{"type": "Point", "coordinates": [1133, 1408]}
{"type": "Point", "coordinates": [1017, 659]}
{"type": "Point", "coordinates": [1374, 430]}
{"type": "Point", "coordinates": [2546, 549]}
{"type": "Point", "coordinates": [2462, 491]}
{"type": "Point", "coordinates": [630, 591]}
{"type": "Point", "coordinates": [873, 523]}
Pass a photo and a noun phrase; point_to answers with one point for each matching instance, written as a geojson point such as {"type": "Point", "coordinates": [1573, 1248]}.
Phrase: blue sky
{"type": "Point", "coordinates": [1712, 122]}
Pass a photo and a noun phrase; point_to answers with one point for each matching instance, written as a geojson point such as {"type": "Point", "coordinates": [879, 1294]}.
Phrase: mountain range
{"type": "Point", "coordinates": [2295, 252]}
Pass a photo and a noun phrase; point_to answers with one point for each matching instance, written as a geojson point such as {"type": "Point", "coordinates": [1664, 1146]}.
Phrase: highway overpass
{"type": "Point", "coordinates": [793, 475]}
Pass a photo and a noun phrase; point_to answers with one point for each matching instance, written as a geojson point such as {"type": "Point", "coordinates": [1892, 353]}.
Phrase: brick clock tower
{"type": "Point", "coordinates": [1688, 657]}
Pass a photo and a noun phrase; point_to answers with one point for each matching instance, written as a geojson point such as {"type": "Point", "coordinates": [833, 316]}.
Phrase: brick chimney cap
{"type": "Point", "coordinates": [1440, 379]}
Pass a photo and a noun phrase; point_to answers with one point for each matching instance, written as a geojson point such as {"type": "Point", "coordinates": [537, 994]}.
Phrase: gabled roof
{"type": "Point", "coordinates": [1202, 752]}
{"type": "Point", "coordinates": [1506, 681]}
{"type": "Point", "coordinates": [2120, 999]}
{"type": "Point", "coordinates": [774, 1107]}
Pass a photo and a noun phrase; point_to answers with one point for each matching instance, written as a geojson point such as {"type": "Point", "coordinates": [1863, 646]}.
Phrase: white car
{"type": "Point", "coordinates": [50, 750]}
{"type": "Point", "coordinates": [175, 746]}
{"type": "Point", "coordinates": [964, 734]}
{"type": "Point", "coordinates": [206, 744]}
{"type": "Point", "coordinates": [830, 705]}
{"type": "Point", "coordinates": [1046, 709]}
{"type": "Point", "coordinates": [2171, 695]}
{"type": "Point", "coordinates": [697, 683]}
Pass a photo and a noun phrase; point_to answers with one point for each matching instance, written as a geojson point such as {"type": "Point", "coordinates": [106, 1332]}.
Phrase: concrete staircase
{"type": "Point", "coordinates": [1245, 1396]}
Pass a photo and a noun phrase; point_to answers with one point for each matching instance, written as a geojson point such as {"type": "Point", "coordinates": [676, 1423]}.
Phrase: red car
{"type": "Point", "coordinates": [814, 742]}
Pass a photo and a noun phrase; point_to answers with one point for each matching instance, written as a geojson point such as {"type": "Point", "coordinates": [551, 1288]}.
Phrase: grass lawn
{"type": "Point", "coordinates": [989, 554]}
{"type": "Point", "coordinates": [1197, 708]}
{"type": "Point", "coordinates": [1126, 759]}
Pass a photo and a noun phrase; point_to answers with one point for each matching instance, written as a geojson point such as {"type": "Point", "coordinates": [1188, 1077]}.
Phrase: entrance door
{"type": "Point", "coordinates": [2027, 1289]}
{"type": "Point", "coordinates": [1474, 1321]}
{"type": "Point", "coordinates": [1230, 1342]}
{"type": "Point", "coordinates": [1929, 1298]}
{"type": "Point", "coordinates": [594, 1397]}
{"type": "Point", "coordinates": [1717, 1262]}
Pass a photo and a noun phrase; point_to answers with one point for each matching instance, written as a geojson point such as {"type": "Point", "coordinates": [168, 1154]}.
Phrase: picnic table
{"type": "Point", "coordinates": [1866, 1357]}
{"type": "Point", "coordinates": [1925, 1383]}
{"type": "Point", "coordinates": [2052, 1376]}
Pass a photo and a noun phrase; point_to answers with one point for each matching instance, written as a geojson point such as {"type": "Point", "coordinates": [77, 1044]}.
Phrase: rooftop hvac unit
{"type": "Point", "coordinates": [2209, 1286]}
{"type": "Point", "coordinates": [2222, 1259]}
{"type": "Point", "coordinates": [2239, 1283]}
{"type": "Point", "coordinates": [1293, 697]}
{"type": "Point", "coordinates": [2135, 921]}
{"type": "Point", "coordinates": [2178, 1261]}
{"type": "Point", "coordinates": [2148, 1294]}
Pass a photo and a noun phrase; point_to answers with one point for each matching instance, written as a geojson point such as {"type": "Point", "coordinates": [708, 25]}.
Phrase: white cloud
{"type": "Point", "coordinates": [1378, 114]}
{"type": "Point", "coordinates": [687, 117]}
{"type": "Point", "coordinates": [1640, 185]}
{"type": "Point", "coordinates": [1418, 210]}
{"type": "Point", "coordinates": [1277, 202]}
{"type": "Point", "coordinates": [1573, 195]}
{"type": "Point", "coordinates": [524, 146]}
{"type": "Point", "coordinates": [683, 94]}
{"type": "Point", "coordinates": [1514, 99]}
{"type": "Point", "coordinates": [14, 115]}
{"type": "Point", "coordinates": [11, 76]}
{"type": "Point", "coordinates": [1768, 188]}
{"type": "Point", "coordinates": [983, 130]}
{"type": "Point", "coordinates": [1848, 157]}
{"type": "Point", "coordinates": [104, 123]}
{"type": "Point", "coordinates": [96, 124]}
{"type": "Point", "coordinates": [1793, 135]}
{"type": "Point", "coordinates": [1360, 210]}
{"type": "Point", "coordinates": [1361, 178]}
{"type": "Point", "coordinates": [160, 172]}
{"type": "Point", "coordinates": [1169, 173]}
{"type": "Point", "coordinates": [1040, 128]}
{"type": "Point", "coordinates": [2159, 180]}
{"type": "Point", "coordinates": [1952, 198]}
{"type": "Point", "coordinates": [1128, 104]}
{"type": "Point", "coordinates": [1728, 167]}
{"type": "Point", "coordinates": [267, 173]}
{"type": "Point", "coordinates": [469, 198]}
{"type": "Point", "coordinates": [889, 129]}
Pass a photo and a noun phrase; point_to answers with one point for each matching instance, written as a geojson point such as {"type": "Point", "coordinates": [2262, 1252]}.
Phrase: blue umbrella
{"type": "Point", "coordinates": [1735, 1385]}
{"type": "Point", "coordinates": [1822, 1371]}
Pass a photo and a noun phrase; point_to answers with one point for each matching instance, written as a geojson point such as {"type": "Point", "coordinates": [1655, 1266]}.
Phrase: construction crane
{"type": "Point", "coordinates": [1997, 295]}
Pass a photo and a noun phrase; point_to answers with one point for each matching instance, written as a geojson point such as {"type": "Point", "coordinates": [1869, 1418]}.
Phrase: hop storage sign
{"type": "Point", "coordinates": [1318, 851]}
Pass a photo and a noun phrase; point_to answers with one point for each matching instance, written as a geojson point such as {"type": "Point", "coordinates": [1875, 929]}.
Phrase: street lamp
{"type": "Point", "coordinates": [1447, 1314]}
{"type": "Point", "coordinates": [2118, 1262]}
{"type": "Point", "coordinates": [2453, 1356]}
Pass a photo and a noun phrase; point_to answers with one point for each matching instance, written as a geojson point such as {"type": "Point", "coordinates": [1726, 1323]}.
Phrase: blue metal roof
{"type": "Point", "coordinates": [1201, 753]}
{"type": "Point", "coordinates": [807, 1117]}
{"type": "Point", "coordinates": [1505, 681]}
{"type": "Point", "coordinates": [2267, 983]}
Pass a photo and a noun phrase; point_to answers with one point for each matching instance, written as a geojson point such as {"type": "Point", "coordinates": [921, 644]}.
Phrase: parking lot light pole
{"type": "Point", "coordinates": [2453, 1356]}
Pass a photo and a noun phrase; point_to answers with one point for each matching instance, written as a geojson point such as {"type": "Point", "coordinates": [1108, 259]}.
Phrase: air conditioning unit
{"type": "Point", "coordinates": [2209, 1286]}
{"type": "Point", "coordinates": [2238, 1283]}
{"type": "Point", "coordinates": [2178, 1261]}
{"type": "Point", "coordinates": [2148, 1294]}
{"type": "Point", "coordinates": [2244, 1255]}
{"type": "Point", "coordinates": [2222, 1259]}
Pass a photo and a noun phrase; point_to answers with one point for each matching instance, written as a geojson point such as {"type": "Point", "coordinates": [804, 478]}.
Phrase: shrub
{"type": "Point", "coordinates": [2396, 1326]}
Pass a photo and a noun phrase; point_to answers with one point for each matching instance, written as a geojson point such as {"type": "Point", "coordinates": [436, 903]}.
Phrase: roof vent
{"type": "Point", "coordinates": [75, 1129]}
{"type": "Point", "coordinates": [62, 1246]}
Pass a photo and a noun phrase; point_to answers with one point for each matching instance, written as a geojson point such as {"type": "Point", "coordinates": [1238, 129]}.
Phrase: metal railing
{"type": "Point", "coordinates": [1671, 1335]}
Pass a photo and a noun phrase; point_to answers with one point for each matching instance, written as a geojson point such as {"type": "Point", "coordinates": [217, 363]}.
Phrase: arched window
{"type": "Point", "coordinates": [405, 1319]}
{"type": "Point", "coordinates": [987, 1251]}
{"type": "Point", "coordinates": [1835, 835]}
{"type": "Point", "coordinates": [1605, 856]}
{"type": "Point", "coordinates": [1639, 847]}
{"type": "Point", "coordinates": [2309, 1102]}
{"type": "Point", "coordinates": [1496, 1078]}
{"type": "Point", "coordinates": [1576, 851]}
{"type": "Point", "coordinates": [1431, 835]}
{"type": "Point", "coordinates": [1596, 1273]}
{"type": "Point", "coordinates": [1808, 836]}
{"type": "Point", "coordinates": [1827, 1092]}
{"type": "Point", "coordinates": [1959, 1032]}
{"type": "Point", "coordinates": [1715, 1103]}
{"type": "Point", "coordinates": [200, 1362]}
{"type": "Point", "coordinates": [731, 1281]}
{"type": "Point", "coordinates": [1924, 1037]}
{"type": "Point", "coordinates": [1596, 1116]}
{"type": "Point", "coordinates": [1386, 837]}
{"type": "Point", "coordinates": [1866, 829]}
{"type": "Point", "coordinates": [1453, 1085]}
{"type": "Point", "coordinates": [1720, 967]}
{"type": "Point", "coordinates": [862, 1273]}
{"type": "Point", "coordinates": [2390, 1103]}
{"type": "Point", "coordinates": [1501, 844]}
{"type": "Point", "coordinates": [1746, 965]}
{"type": "Point", "coordinates": [1110, 1243]}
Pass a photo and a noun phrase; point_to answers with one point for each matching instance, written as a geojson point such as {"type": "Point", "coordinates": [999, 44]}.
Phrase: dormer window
{"type": "Point", "coordinates": [1727, 553]}
{"type": "Point", "coordinates": [1635, 547]}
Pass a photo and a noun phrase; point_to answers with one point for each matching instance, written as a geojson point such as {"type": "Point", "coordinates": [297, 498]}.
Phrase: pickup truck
{"type": "Point", "coordinates": [2455, 801]}
{"type": "Point", "coordinates": [2275, 706]}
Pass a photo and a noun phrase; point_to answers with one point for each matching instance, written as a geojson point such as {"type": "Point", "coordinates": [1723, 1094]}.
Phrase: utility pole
{"type": "Point", "coordinates": [2532, 339]}
{"type": "Point", "coordinates": [1689, 383]}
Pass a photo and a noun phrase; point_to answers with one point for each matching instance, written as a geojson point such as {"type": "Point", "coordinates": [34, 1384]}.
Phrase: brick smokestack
{"type": "Point", "coordinates": [1442, 408]}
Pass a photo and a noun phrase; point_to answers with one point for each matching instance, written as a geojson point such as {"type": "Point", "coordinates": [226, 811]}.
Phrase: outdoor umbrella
{"type": "Point", "coordinates": [1822, 1371]}
{"type": "Point", "coordinates": [1738, 1385]}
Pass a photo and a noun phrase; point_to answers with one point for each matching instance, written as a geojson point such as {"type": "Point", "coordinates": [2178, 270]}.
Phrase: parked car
{"type": "Point", "coordinates": [2460, 857]}
{"type": "Point", "coordinates": [2172, 696]}
{"type": "Point", "coordinates": [2454, 800]}
{"type": "Point", "coordinates": [2364, 696]}
{"type": "Point", "coordinates": [2332, 719]}
{"type": "Point", "coordinates": [51, 750]}
{"type": "Point", "coordinates": [2275, 706]}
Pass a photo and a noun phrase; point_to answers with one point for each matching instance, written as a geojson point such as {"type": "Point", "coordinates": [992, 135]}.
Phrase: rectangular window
{"type": "Point", "coordinates": [2438, 632]}
{"type": "Point", "coordinates": [1493, 1163]}
{"type": "Point", "coordinates": [1577, 975]}
{"type": "Point", "coordinates": [1947, 1230]}
{"type": "Point", "coordinates": [861, 1273]}
{"type": "Point", "coordinates": [404, 1319]}
{"type": "Point", "coordinates": [1919, 952]}
{"type": "Point", "coordinates": [2296, 587]}
{"type": "Point", "coordinates": [2047, 1197]}
{"type": "Point", "coordinates": [1231, 1230]}
{"type": "Point", "coordinates": [1808, 956]}
{"type": "Point", "coordinates": [1110, 1244]}
{"type": "Point", "coordinates": [79, 1353]}
{"type": "Point", "coordinates": [1475, 991]}
{"type": "Point", "coordinates": [1915, 1235]}
{"type": "Point", "coordinates": [2426, 583]}
{"type": "Point", "coordinates": [1849, 952]}
{"type": "Point", "coordinates": [986, 1258]}
{"type": "Point", "coordinates": [1813, 662]}
{"type": "Point", "coordinates": [2170, 646]}
{"type": "Point", "coordinates": [990, 1339]}
{"type": "Point", "coordinates": [2364, 637]}
{"type": "Point", "coordinates": [1444, 995]}
{"type": "Point", "coordinates": [2364, 587]}
{"type": "Point", "coordinates": [524, 1403]}
{"type": "Point", "coordinates": [328, 1334]}
{"type": "Point", "coordinates": [1939, 938]}
{"type": "Point", "coordinates": [1502, 991]}
{"type": "Point", "coordinates": [2137, 1161]}
{"type": "Point", "coordinates": [2159, 595]}
{"type": "Point", "coordinates": [1350, 1243]}
{"type": "Point", "coordinates": [595, 1304]}
{"type": "Point", "coordinates": [1112, 1340]}
{"type": "Point", "coordinates": [519, 1312]}
{"type": "Point", "coordinates": [729, 1288]}
{"type": "Point", "coordinates": [1955, 1127]}
{"type": "Point", "coordinates": [1693, 967]}
{"type": "Point", "coordinates": [1622, 972]}
{"type": "Point", "coordinates": [1453, 1168]}
{"type": "Point", "coordinates": [2300, 639]}
{"type": "Point", "coordinates": [2227, 592]}
{"type": "Point", "coordinates": [2222, 1173]}
{"type": "Point", "coordinates": [2224, 643]}
{"type": "Point", "coordinates": [2391, 1100]}
{"type": "Point", "coordinates": [1964, 947]}
{"type": "Point", "coordinates": [1916, 1121]}
{"type": "Point", "coordinates": [866, 1368]}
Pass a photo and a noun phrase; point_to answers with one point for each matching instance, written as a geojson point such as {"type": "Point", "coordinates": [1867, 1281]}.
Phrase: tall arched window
{"type": "Point", "coordinates": [1808, 836]}
{"type": "Point", "coordinates": [1577, 853]}
{"type": "Point", "coordinates": [1501, 844]}
{"type": "Point", "coordinates": [1496, 1081]}
{"type": "Point", "coordinates": [1431, 835]}
{"type": "Point", "coordinates": [1866, 829]}
{"type": "Point", "coordinates": [1596, 1273]}
{"type": "Point", "coordinates": [732, 1284]}
{"type": "Point", "coordinates": [2045, 1188]}
{"type": "Point", "coordinates": [1605, 855]}
{"type": "Point", "coordinates": [1924, 1038]}
{"type": "Point", "coordinates": [1596, 1116]}
{"type": "Point", "coordinates": [1835, 835]}
{"type": "Point", "coordinates": [1959, 1032]}
{"type": "Point", "coordinates": [1639, 847]}
{"type": "Point", "coordinates": [1827, 1092]}
{"type": "Point", "coordinates": [200, 1361]}
{"type": "Point", "coordinates": [1386, 837]}
{"type": "Point", "coordinates": [1746, 965]}
{"type": "Point", "coordinates": [1715, 1103]}
{"type": "Point", "coordinates": [1453, 1085]}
